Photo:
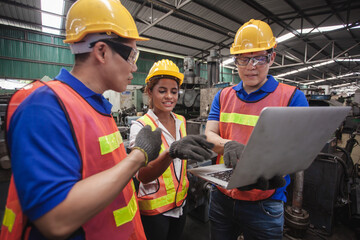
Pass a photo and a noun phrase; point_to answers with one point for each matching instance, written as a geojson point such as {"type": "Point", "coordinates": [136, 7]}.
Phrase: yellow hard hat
{"type": "Point", "coordinates": [99, 16]}
{"type": "Point", "coordinates": [253, 36]}
{"type": "Point", "coordinates": [167, 68]}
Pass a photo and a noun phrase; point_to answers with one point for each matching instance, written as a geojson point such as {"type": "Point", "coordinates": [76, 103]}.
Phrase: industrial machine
{"type": "Point", "coordinates": [188, 103]}
{"type": "Point", "coordinates": [326, 194]}
{"type": "Point", "coordinates": [189, 100]}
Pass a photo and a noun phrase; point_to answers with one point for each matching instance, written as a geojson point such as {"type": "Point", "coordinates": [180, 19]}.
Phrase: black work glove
{"type": "Point", "coordinates": [193, 147]}
{"type": "Point", "coordinates": [263, 184]}
{"type": "Point", "coordinates": [232, 153]}
{"type": "Point", "coordinates": [149, 142]}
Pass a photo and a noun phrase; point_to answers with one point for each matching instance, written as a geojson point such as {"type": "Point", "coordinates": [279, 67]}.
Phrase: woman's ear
{"type": "Point", "coordinates": [149, 92]}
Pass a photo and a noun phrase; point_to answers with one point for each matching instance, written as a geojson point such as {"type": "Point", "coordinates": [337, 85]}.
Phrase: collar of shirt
{"type": "Point", "coordinates": [167, 133]}
{"type": "Point", "coordinates": [96, 100]}
{"type": "Point", "coordinates": [269, 86]}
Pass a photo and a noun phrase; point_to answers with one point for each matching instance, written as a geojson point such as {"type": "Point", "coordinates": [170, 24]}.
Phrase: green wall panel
{"type": "Point", "coordinates": [227, 76]}
{"type": "Point", "coordinates": [46, 39]}
{"type": "Point", "coordinates": [12, 33]}
{"type": "Point", "coordinates": [139, 78]}
{"type": "Point", "coordinates": [27, 70]}
{"type": "Point", "coordinates": [46, 55]}
{"type": "Point", "coordinates": [33, 51]}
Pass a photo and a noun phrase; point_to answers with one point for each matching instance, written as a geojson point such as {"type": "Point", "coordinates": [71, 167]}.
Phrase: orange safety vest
{"type": "Point", "coordinates": [100, 146]}
{"type": "Point", "coordinates": [237, 121]}
{"type": "Point", "coordinates": [172, 192]}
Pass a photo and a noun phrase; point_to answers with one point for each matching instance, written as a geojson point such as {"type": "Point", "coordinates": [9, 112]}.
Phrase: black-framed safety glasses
{"type": "Point", "coordinates": [257, 60]}
{"type": "Point", "coordinates": [130, 54]}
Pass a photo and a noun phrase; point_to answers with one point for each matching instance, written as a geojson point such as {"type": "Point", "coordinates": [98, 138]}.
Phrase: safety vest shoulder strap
{"type": "Point", "coordinates": [171, 192]}
{"type": "Point", "coordinates": [182, 125]}
{"type": "Point", "coordinates": [148, 120]}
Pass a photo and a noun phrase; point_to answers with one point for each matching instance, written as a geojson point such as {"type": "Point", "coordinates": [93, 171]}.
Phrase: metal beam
{"type": "Point", "coordinates": [206, 4]}
{"type": "Point", "coordinates": [32, 24]}
{"type": "Point", "coordinates": [36, 61]}
{"type": "Point", "coordinates": [159, 6]}
{"type": "Point", "coordinates": [172, 43]}
{"type": "Point", "coordinates": [319, 51]}
{"type": "Point", "coordinates": [182, 33]}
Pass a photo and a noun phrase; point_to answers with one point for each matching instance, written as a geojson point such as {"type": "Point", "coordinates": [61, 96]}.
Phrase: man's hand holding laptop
{"type": "Point", "coordinates": [232, 154]}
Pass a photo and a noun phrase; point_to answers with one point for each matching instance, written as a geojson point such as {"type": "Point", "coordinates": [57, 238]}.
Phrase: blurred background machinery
{"type": "Point", "coordinates": [188, 103]}
{"type": "Point", "coordinates": [326, 195]}
{"type": "Point", "coordinates": [5, 165]}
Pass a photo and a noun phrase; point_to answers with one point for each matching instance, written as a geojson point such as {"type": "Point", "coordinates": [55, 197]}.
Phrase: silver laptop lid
{"type": "Point", "coordinates": [285, 140]}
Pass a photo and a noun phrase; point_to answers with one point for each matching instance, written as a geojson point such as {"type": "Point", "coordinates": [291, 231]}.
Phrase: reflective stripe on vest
{"type": "Point", "coordinates": [157, 203]}
{"type": "Point", "coordinates": [110, 142]}
{"type": "Point", "coordinates": [169, 197]}
{"type": "Point", "coordinates": [237, 120]}
{"type": "Point", "coordinates": [9, 219]}
{"type": "Point", "coordinates": [243, 119]}
{"type": "Point", "coordinates": [126, 214]}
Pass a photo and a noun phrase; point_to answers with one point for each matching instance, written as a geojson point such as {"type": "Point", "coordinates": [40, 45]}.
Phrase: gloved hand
{"type": "Point", "coordinates": [149, 142]}
{"type": "Point", "coordinates": [263, 184]}
{"type": "Point", "coordinates": [193, 147]}
{"type": "Point", "coordinates": [232, 153]}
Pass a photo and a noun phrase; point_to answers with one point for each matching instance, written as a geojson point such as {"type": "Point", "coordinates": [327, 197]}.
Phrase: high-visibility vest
{"type": "Point", "coordinates": [171, 192]}
{"type": "Point", "coordinates": [237, 121]}
{"type": "Point", "coordinates": [100, 147]}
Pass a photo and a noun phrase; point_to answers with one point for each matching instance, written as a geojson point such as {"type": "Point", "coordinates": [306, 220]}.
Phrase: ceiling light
{"type": "Point", "coordinates": [228, 61]}
{"type": "Point", "coordinates": [332, 78]}
{"type": "Point", "coordinates": [317, 65]}
{"type": "Point", "coordinates": [312, 30]}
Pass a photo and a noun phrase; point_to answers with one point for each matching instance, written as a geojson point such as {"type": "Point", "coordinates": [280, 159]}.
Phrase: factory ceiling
{"type": "Point", "coordinates": [318, 40]}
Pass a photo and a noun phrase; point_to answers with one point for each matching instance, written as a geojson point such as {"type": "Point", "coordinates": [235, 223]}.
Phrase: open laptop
{"type": "Point", "coordinates": [285, 140]}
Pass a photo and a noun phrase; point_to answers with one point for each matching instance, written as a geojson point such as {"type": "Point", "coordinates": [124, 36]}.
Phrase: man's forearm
{"type": "Point", "coordinates": [88, 197]}
{"type": "Point", "coordinates": [218, 141]}
{"type": "Point", "coordinates": [213, 135]}
{"type": "Point", "coordinates": [155, 168]}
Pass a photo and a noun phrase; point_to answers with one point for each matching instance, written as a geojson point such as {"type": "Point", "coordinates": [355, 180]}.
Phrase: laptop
{"type": "Point", "coordinates": [285, 140]}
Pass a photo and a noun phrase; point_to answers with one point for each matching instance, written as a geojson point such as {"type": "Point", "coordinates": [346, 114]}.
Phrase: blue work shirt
{"type": "Point", "coordinates": [44, 158]}
{"type": "Point", "coordinates": [270, 85]}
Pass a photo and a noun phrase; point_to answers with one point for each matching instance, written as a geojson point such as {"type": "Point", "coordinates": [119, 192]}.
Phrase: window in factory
{"type": "Point", "coordinates": [52, 15]}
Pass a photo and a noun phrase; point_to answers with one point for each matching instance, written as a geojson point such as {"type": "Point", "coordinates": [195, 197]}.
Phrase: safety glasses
{"type": "Point", "coordinates": [257, 60]}
{"type": "Point", "coordinates": [130, 54]}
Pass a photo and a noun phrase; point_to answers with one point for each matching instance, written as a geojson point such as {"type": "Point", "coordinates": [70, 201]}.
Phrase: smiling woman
{"type": "Point", "coordinates": [162, 87]}
{"type": "Point", "coordinates": [163, 183]}
{"type": "Point", "coordinates": [163, 69]}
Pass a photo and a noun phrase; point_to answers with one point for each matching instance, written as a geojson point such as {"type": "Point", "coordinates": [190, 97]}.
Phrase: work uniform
{"type": "Point", "coordinates": [51, 169]}
{"type": "Point", "coordinates": [166, 195]}
{"type": "Point", "coordinates": [237, 113]}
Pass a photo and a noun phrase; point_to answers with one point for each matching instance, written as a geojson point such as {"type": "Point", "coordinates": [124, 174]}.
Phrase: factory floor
{"type": "Point", "coordinates": [196, 229]}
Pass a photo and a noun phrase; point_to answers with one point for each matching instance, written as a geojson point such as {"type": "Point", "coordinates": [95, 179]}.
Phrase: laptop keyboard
{"type": "Point", "coordinates": [224, 175]}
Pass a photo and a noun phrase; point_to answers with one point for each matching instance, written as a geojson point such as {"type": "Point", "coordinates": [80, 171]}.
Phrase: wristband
{"type": "Point", "coordinates": [146, 156]}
